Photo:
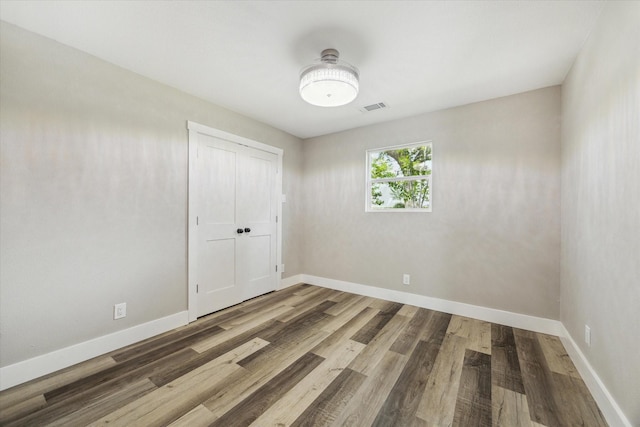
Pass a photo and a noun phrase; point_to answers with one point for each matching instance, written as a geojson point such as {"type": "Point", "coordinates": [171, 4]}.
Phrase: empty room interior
{"type": "Point", "coordinates": [288, 213]}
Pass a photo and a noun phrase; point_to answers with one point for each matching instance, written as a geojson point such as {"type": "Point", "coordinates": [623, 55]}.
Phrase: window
{"type": "Point", "coordinates": [399, 178]}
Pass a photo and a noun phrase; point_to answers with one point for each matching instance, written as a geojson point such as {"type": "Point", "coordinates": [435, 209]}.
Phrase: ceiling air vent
{"type": "Point", "coordinates": [373, 107]}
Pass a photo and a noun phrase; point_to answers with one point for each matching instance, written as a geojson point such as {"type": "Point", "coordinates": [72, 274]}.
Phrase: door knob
{"type": "Point", "coordinates": [247, 230]}
{"type": "Point", "coordinates": [240, 231]}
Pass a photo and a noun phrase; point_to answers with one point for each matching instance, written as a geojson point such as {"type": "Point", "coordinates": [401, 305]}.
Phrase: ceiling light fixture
{"type": "Point", "coordinates": [329, 82]}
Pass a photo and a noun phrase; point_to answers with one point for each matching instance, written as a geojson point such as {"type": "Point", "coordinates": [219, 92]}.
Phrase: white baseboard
{"type": "Point", "coordinates": [516, 320]}
{"type": "Point", "coordinates": [290, 281]}
{"type": "Point", "coordinates": [27, 370]}
{"type": "Point", "coordinates": [42, 365]}
{"type": "Point", "coordinates": [610, 409]}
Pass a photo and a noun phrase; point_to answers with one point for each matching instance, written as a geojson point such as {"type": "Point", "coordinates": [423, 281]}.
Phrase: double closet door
{"type": "Point", "coordinates": [236, 223]}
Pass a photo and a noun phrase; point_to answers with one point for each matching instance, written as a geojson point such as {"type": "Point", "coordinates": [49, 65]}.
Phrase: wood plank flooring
{"type": "Point", "coordinates": [308, 356]}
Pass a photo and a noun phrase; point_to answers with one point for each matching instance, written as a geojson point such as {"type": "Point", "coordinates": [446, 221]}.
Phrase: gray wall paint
{"type": "Point", "coordinates": [93, 200]}
{"type": "Point", "coordinates": [493, 238]}
{"type": "Point", "coordinates": [93, 190]}
{"type": "Point", "coordinates": [601, 202]}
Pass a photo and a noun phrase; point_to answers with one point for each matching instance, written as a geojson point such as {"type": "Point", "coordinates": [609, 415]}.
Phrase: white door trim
{"type": "Point", "coordinates": [192, 237]}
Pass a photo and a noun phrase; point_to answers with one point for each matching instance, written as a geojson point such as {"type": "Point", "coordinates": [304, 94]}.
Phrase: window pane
{"type": "Point", "coordinates": [402, 162]}
{"type": "Point", "coordinates": [413, 194]}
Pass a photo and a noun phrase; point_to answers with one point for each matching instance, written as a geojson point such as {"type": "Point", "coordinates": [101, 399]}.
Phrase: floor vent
{"type": "Point", "coordinates": [373, 107]}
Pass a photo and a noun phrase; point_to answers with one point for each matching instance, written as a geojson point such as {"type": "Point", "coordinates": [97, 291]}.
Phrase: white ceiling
{"type": "Point", "coordinates": [416, 56]}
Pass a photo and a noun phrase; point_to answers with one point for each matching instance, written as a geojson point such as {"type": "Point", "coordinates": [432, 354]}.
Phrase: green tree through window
{"type": "Point", "coordinates": [400, 178]}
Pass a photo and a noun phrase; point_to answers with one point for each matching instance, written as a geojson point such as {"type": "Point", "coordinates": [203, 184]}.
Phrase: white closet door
{"type": "Point", "coordinates": [218, 282]}
{"type": "Point", "coordinates": [236, 209]}
{"type": "Point", "coordinates": [258, 208]}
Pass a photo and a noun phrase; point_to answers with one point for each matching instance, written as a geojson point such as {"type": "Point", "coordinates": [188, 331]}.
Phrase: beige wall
{"type": "Point", "coordinates": [601, 202]}
{"type": "Point", "coordinates": [493, 238]}
{"type": "Point", "coordinates": [93, 198]}
{"type": "Point", "coordinates": [93, 188]}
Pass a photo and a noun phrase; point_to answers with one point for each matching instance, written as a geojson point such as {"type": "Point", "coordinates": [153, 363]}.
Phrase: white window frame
{"type": "Point", "coordinates": [370, 181]}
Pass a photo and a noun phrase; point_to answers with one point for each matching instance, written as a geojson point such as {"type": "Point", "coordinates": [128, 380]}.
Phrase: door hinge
{"type": "Point", "coordinates": [197, 289]}
{"type": "Point", "coordinates": [276, 218]}
{"type": "Point", "coordinates": [197, 220]}
{"type": "Point", "coordinates": [276, 268]}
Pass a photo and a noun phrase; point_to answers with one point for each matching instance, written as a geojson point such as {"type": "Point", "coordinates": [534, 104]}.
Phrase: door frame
{"type": "Point", "coordinates": [192, 227]}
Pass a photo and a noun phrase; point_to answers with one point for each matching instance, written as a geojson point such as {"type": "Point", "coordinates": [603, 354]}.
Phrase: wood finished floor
{"type": "Point", "coordinates": [308, 356]}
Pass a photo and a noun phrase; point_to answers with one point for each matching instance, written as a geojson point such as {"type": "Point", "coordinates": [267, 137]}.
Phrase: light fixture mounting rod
{"type": "Point", "coordinates": [330, 56]}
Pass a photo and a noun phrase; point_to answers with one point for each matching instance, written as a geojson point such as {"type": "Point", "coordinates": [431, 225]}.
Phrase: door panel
{"type": "Point", "coordinates": [217, 179]}
{"type": "Point", "coordinates": [259, 212]}
{"type": "Point", "coordinates": [218, 282]}
{"type": "Point", "coordinates": [258, 196]}
{"type": "Point", "coordinates": [236, 190]}
{"type": "Point", "coordinates": [260, 266]}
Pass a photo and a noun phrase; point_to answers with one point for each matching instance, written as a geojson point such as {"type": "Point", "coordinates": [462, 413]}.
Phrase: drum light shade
{"type": "Point", "coordinates": [329, 82]}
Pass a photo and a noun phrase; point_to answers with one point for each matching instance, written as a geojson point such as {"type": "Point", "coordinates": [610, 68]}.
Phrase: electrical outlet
{"type": "Point", "coordinates": [282, 268]}
{"type": "Point", "coordinates": [406, 279]}
{"type": "Point", "coordinates": [120, 310]}
{"type": "Point", "coordinates": [587, 335]}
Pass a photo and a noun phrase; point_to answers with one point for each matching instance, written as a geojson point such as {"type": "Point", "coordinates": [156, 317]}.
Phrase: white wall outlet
{"type": "Point", "coordinates": [282, 268]}
{"type": "Point", "coordinates": [284, 198]}
{"type": "Point", "coordinates": [587, 335]}
{"type": "Point", "coordinates": [120, 310]}
{"type": "Point", "coordinates": [406, 279]}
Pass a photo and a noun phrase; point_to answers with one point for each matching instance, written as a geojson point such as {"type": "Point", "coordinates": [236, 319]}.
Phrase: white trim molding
{"type": "Point", "coordinates": [290, 281]}
{"type": "Point", "coordinates": [516, 320]}
{"type": "Point", "coordinates": [42, 365]}
{"type": "Point", "coordinates": [609, 407]}
{"type": "Point", "coordinates": [29, 369]}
